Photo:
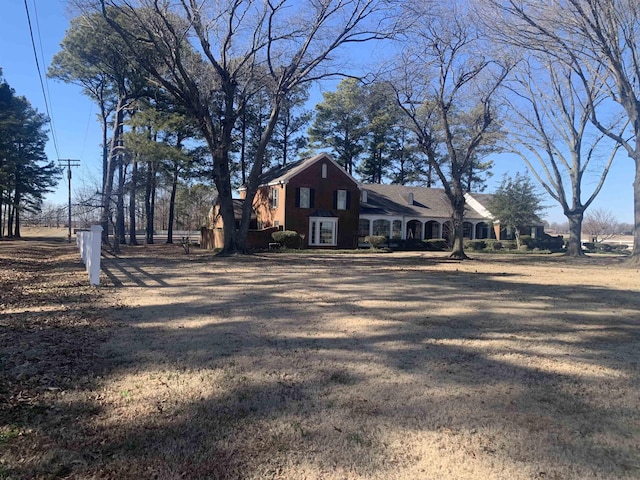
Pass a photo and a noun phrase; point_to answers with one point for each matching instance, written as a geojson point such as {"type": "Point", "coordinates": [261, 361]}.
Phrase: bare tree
{"type": "Point", "coordinates": [550, 117]}
{"type": "Point", "coordinates": [596, 38]}
{"type": "Point", "coordinates": [600, 225]}
{"type": "Point", "coordinates": [241, 47]}
{"type": "Point", "coordinates": [445, 83]}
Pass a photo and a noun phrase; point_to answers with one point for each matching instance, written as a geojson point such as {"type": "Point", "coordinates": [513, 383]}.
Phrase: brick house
{"type": "Point", "coordinates": [329, 209]}
{"type": "Point", "coordinates": [314, 197]}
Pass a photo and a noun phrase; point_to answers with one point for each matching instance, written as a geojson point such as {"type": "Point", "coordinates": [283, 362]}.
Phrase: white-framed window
{"type": "Point", "coordinates": [324, 170]}
{"type": "Point", "coordinates": [396, 229]}
{"type": "Point", "coordinates": [341, 200]}
{"type": "Point", "coordinates": [305, 197]}
{"type": "Point", "coordinates": [323, 231]}
{"type": "Point", "coordinates": [382, 227]}
{"type": "Point", "coordinates": [273, 197]}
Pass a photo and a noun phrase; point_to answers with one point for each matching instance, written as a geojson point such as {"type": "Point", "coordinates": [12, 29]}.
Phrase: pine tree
{"type": "Point", "coordinates": [25, 173]}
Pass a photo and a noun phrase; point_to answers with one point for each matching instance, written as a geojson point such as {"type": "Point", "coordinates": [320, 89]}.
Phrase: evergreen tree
{"type": "Point", "coordinates": [339, 124]}
{"type": "Point", "coordinates": [25, 173]}
{"type": "Point", "coordinates": [516, 204]}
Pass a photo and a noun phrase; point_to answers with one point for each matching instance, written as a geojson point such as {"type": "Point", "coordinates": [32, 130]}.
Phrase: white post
{"type": "Point", "coordinates": [92, 247]}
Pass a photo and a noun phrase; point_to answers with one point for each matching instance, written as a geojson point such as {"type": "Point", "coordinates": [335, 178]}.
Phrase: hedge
{"type": "Point", "coordinates": [287, 238]}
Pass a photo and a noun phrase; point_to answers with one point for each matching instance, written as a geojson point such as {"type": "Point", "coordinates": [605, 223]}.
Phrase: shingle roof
{"type": "Point", "coordinates": [276, 174]}
{"type": "Point", "coordinates": [427, 202]}
{"type": "Point", "coordinates": [283, 174]}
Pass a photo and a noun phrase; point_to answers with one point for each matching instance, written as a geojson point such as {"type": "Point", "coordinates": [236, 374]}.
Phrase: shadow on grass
{"type": "Point", "coordinates": [261, 366]}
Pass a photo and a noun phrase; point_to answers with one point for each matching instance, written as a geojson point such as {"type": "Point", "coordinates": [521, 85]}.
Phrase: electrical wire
{"type": "Point", "coordinates": [44, 92]}
{"type": "Point", "coordinates": [86, 133]}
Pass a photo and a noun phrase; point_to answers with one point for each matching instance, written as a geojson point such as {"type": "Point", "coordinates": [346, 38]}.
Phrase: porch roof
{"type": "Point", "coordinates": [427, 202]}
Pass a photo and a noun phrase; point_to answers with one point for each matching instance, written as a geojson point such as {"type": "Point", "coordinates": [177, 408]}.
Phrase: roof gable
{"type": "Point", "coordinates": [286, 173]}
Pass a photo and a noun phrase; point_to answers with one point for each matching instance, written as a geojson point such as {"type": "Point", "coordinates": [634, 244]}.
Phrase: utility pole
{"type": "Point", "coordinates": [68, 163]}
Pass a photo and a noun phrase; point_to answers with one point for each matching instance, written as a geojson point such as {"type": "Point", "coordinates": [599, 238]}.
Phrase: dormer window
{"type": "Point", "coordinates": [363, 196]}
{"type": "Point", "coordinates": [324, 170]}
{"type": "Point", "coordinates": [410, 200]}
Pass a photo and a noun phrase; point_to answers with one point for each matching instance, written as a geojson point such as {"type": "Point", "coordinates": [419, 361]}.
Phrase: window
{"type": "Point", "coordinates": [397, 229]}
{"type": "Point", "coordinates": [381, 227]}
{"type": "Point", "coordinates": [363, 229]}
{"type": "Point", "coordinates": [273, 197]}
{"type": "Point", "coordinates": [467, 230]}
{"type": "Point", "coordinates": [304, 197]}
{"type": "Point", "coordinates": [324, 170]}
{"type": "Point", "coordinates": [341, 199]}
{"type": "Point", "coordinates": [323, 231]}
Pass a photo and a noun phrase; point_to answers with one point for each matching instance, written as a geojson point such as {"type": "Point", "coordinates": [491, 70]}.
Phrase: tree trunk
{"type": "Point", "coordinates": [111, 168]}
{"type": "Point", "coordinates": [172, 205]}
{"type": "Point", "coordinates": [1, 216]}
{"type": "Point", "coordinates": [10, 216]}
{"type": "Point", "coordinates": [16, 217]}
{"type": "Point", "coordinates": [456, 196]}
{"type": "Point", "coordinates": [104, 118]}
{"type": "Point", "coordinates": [574, 245]}
{"type": "Point", "coordinates": [132, 203]}
{"type": "Point", "coordinates": [635, 254]}
{"type": "Point", "coordinates": [254, 177]}
{"type": "Point", "coordinates": [148, 210]}
{"type": "Point", "coordinates": [121, 238]}
{"type": "Point", "coordinates": [219, 143]}
{"type": "Point", "coordinates": [457, 251]}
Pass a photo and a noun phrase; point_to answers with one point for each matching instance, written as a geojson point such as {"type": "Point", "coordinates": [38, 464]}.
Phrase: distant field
{"type": "Point", "coordinates": [396, 366]}
{"type": "Point", "coordinates": [63, 233]}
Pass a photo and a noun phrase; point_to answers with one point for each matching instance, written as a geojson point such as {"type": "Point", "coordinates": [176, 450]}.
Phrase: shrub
{"type": "Point", "coordinates": [437, 244]}
{"type": "Point", "coordinates": [376, 241]}
{"type": "Point", "coordinates": [546, 242]}
{"type": "Point", "coordinates": [509, 245]}
{"type": "Point", "coordinates": [555, 244]}
{"type": "Point", "coordinates": [287, 238]}
{"type": "Point", "coordinates": [528, 241]}
{"type": "Point", "coordinates": [475, 244]}
{"type": "Point", "coordinates": [410, 244]}
{"type": "Point", "coordinates": [494, 245]}
{"type": "Point", "coordinates": [605, 247]}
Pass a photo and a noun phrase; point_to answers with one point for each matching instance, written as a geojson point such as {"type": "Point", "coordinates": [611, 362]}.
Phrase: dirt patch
{"type": "Point", "coordinates": [324, 366]}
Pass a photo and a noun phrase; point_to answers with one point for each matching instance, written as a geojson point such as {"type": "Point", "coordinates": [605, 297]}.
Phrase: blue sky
{"type": "Point", "coordinates": [78, 131]}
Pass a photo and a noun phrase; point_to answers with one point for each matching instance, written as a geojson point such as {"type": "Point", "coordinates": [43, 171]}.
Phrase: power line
{"type": "Point", "coordinates": [69, 163]}
{"type": "Point", "coordinates": [46, 79]}
{"type": "Point", "coordinates": [44, 94]}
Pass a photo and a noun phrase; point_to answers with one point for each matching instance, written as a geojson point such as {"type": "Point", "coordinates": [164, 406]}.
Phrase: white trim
{"type": "Point", "coordinates": [314, 236]}
{"type": "Point", "coordinates": [477, 206]}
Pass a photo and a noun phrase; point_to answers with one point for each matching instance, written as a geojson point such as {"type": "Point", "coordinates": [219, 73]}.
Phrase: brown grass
{"type": "Point", "coordinates": [317, 366]}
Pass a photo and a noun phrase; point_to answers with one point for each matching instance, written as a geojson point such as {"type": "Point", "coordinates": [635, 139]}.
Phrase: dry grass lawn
{"type": "Point", "coordinates": [316, 366]}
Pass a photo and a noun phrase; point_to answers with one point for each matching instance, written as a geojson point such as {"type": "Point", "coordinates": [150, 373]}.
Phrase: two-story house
{"type": "Point", "coordinates": [328, 208]}
{"type": "Point", "coordinates": [314, 197]}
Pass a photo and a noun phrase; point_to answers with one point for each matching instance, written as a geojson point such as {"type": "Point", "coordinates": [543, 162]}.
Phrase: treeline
{"type": "Point", "coordinates": [216, 94]}
{"type": "Point", "coordinates": [26, 175]}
